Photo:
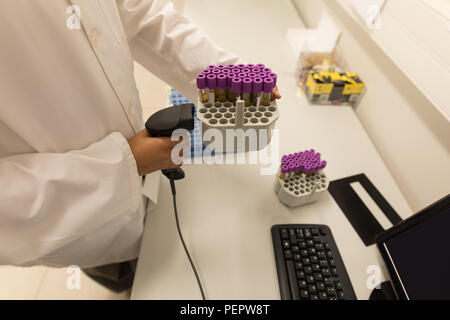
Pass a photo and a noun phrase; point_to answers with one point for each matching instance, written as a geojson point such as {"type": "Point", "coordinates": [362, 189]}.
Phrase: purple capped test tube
{"type": "Point", "coordinates": [210, 67]}
{"type": "Point", "coordinates": [250, 66]}
{"type": "Point", "coordinates": [206, 71]}
{"type": "Point", "coordinates": [201, 85]}
{"type": "Point", "coordinates": [226, 71]}
{"type": "Point", "coordinates": [241, 66]}
{"type": "Point", "coordinates": [257, 90]}
{"type": "Point", "coordinates": [246, 90]}
{"type": "Point", "coordinates": [236, 88]}
{"type": "Point", "coordinates": [221, 66]}
{"type": "Point", "coordinates": [242, 75]}
{"type": "Point", "coordinates": [246, 70]}
{"type": "Point", "coordinates": [252, 75]}
{"type": "Point", "coordinates": [230, 77]}
{"type": "Point", "coordinates": [211, 83]}
{"type": "Point", "coordinates": [267, 70]}
{"type": "Point", "coordinates": [256, 70]}
{"type": "Point", "coordinates": [262, 75]}
{"type": "Point", "coordinates": [216, 71]}
{"type": "Point", "coordinates": [260, 65]}
{"type": "Point", "coordinates": [267, 88]}
{"type": "Point", "coordinates": [236, 70]}
{"type": "Point", "coordinates": [231, 66]}
{"type": "Point", "coordinates": [222, 85]}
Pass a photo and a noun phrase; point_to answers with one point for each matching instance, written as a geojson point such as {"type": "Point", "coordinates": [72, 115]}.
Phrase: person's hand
{"type": "Point", "coordinates": [276, 93]}
{"type": "Point", "coordinates": [152, 153]}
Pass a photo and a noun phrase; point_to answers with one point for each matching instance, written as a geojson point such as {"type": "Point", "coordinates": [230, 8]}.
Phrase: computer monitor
{"type": "Point", "coordinates": [417, 253]}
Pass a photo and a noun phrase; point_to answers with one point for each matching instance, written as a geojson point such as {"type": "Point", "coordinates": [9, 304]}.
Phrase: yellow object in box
{"type": "Point", "coordinates": [318, 88]}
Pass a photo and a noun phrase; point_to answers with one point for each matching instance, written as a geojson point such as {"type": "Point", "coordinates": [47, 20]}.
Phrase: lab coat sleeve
{"type": "Point", "coordinates": [168, 44]}
{"type": "Point", "coordinates": [48, 200]}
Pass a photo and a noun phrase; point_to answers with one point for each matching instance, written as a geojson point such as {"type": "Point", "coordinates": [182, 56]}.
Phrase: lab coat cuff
{"type": "Point", "coordinates": [135, 181]}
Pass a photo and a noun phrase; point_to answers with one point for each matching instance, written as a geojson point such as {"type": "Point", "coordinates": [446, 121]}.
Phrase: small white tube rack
{"type": "Point", "coordinates": [299, 189]}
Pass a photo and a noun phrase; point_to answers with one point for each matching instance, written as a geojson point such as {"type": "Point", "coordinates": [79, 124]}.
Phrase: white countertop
{"type": "Point", "coordinates": [226, 211]}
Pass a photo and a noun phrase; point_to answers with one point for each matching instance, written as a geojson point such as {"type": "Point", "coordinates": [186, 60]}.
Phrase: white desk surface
{"type": "Point", "coordinates": [226, 212]}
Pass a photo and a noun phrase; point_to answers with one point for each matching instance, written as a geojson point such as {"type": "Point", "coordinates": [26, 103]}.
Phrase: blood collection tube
{"type": "Point", "coordinates": [242, 75]}
{"type": "Point", "coordinates": [231, 66]}
{"type": "Point", "coordinates": [201, 85]}
{"type": "Point", "coordinates": [267, 70]}
{"type": "Point", "coordinates": [262, 75]}
{"type": "Point", "coordinates": [221, 66]}
{"type": "Point", "coordinates": [257, 89]}
{"type": "Point", "coordinates": [216, 71]}
{"type": "Point", "coordinates": [230, 77]}
{"type": "Point", "coordinates": [246, 70]}
{"type": "Point", "coordinates": [236, 88]}
{"type": "Point", "coordinates": [267, 91]}
{"type": "Point", "coordinates": [256, 70]}
{"type": "Point", "coordinates": [222, 85]}
{"type": "Point", "coordinates": [260, 65]}
{"type": "Point", "coordinates": [250, 66]}
{"type": "Point", "coordinates": [226, 71]}
{"type": "Point", "coordinates": [206, 71]}
{"type": "Point", "coordinates": [236, 70]}
{"type": "Point", "coordinates": [240, 66]}
{"type": "Point", "coordinates": [211, 83]}
{"type": "Point", "coordinates": [273, 76]}
{"type": "Point", "coordinates": [210, 67]}
{"type": "Point", "coordinates": [252, 75]}
{"type": "Point", "coordinates": [246, 91]}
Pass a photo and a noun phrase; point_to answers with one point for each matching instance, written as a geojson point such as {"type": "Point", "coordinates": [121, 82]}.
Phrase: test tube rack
{"type": "Point", "coordinates": [235, 110]}
{"type": "Point", "coordinates": [301, 179]}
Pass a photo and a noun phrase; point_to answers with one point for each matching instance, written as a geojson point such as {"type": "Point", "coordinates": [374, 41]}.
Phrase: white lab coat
{"type": "Point", "coordinates": [69, 188]}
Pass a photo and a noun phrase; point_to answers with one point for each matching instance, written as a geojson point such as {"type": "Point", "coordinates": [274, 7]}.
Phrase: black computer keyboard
{"type": "Point", "coordinates": [309, 264]}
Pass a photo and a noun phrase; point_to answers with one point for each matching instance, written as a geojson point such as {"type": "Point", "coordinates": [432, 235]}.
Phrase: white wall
{"type": "Point", "coordinates": [411, 134]}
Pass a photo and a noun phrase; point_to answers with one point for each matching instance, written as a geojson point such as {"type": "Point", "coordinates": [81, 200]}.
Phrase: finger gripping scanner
{"type": "Point", "coordinates": [164, 122]}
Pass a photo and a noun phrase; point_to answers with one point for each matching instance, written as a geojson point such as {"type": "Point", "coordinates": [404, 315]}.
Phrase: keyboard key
{"type": "Point", "coordinates": [319, 247]}
{"type": "Point", "coordinates": [314, 297]}
{"type": "Point", "coordinates": [284, 234]}
{"type": "Point", "coordinates": [314, 259]}
{"type": "Point", "coordinates": [328, 281]}
{"type": "Point", "coordinates": [326, 245]}
{"type": "Point", "coordinates": [295, 249]}
{"type": "Point", "coordinates": [292, 280]}
{"type": "Point", "coordinates": [334, 272]}
{"type": "Point", "coordinates": [310, 243]}
{"type": "Point", "coordinates": [320, 286]}
{"type": "Point", "coordinates": [302, 245]}
{"type": "Point", "coordinates": [302, 284]}
{"type": "Point", "coordinates": [308, 270]}
{"type": "Point", "coordinates": [331, 292]}
{"type": "Point", "coordinates": [315, 231]}
{"type": "Point", "coordinates": [288, 254]}
{"type": "Point", "coordinates": [292, 236]}
{"type": "Point", "coordinates": [300, 234]}
{"type": "Point", "coordinates": [315, 268]}
{"type": "Point", "coordinates": [298, 265]}
{"type": "Point", "coordinates": [318, 276]}
{"type": "Point", "coordinates": [312, 251]}
{"type": "Point", "coordinates": [326, 272]}
{"type": "Point", "coordinates": [329, 254]}
{"type": "Point", "coordinates": [297, 257]}
{"type": "Point", "coordinates": [323, 295]}
{"type": "Point", "coordinates": [310, 279]}
{"type": "Point", "coordinates": [322, 231]}
{"type": "Point", "coordinates": [341, 295]}
{"type": "Point", "coordinates": [308, 234]}
{"type": "Point", "coordinates": [286, 244]}
{"type": "Point", "coordinates": [317, 240]}
{"type": "Point", "coordinates": [323, 263]}
{"type": "Point", "coordinates": [338, 285]}
{"type": "Point", "coordinates": [306, 261]}
{"type": "Point", "coordinates": [300, 275]}
{"type": "Point", "coordinates": [312, 289]}
{"type": "Point", "coordinates": [304, 294]}
{"type": "Point", "coordinates": [321, 254]}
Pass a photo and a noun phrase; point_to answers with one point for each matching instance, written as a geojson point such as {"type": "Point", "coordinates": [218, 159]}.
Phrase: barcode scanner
{"type": "Point", "coordinates": [162, 124]}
